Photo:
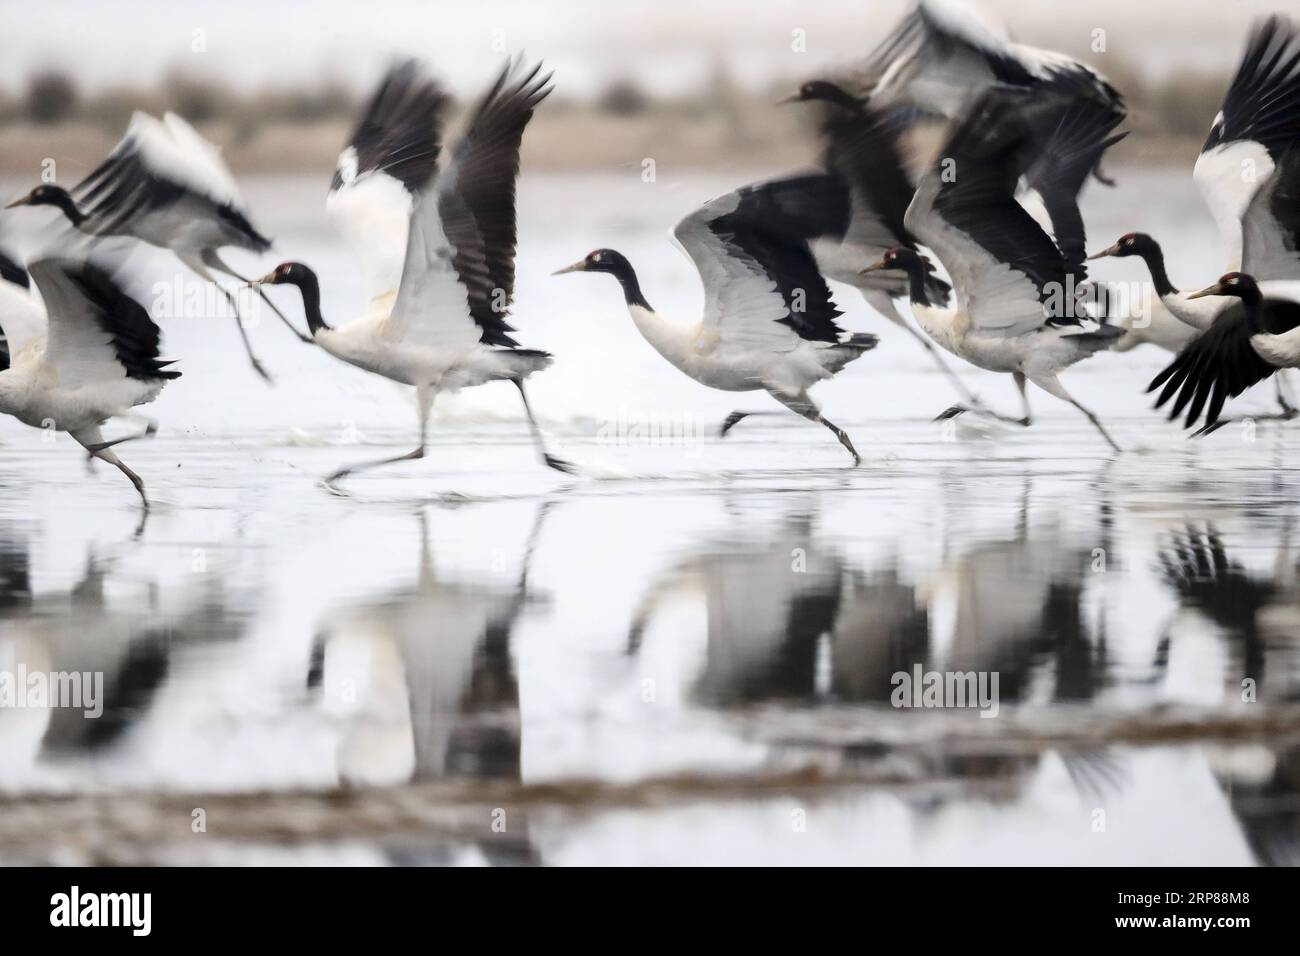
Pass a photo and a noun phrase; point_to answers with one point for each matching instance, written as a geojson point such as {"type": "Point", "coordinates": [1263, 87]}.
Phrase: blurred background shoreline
{"type": "Point", "coordinates": [699, 94]}
{"type": "Point", "coordinates": [293, 130]}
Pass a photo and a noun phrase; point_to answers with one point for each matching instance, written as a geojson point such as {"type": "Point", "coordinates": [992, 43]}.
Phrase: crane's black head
{"type": "Point", "coordinates": [900, 257]}
{"type": "Point", "coordinates": [616, 264]}
{"type": "Point", "coordinates": [47, 194]}
{"type": "Point", "coordinates": [297, 274]}
{"type": "Point", "coordinates": [823, 90]}
{"type": "Point", "coordinates": [914, 264]}
{"type": "Point", "coordinates": [1130, 244]}
{"type": "Point", "coordinates": [289, 273]}
{"type": "Point", "coordinates": [1236, 284]}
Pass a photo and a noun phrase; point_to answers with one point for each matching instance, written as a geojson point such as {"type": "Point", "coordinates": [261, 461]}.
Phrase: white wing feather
{"type": "Point", "coordinates": [742, 304]}
{"type": "Point", "coordinates": [374, 214]}
{"type": "Point", "coordinates": [172, 149]}
{"type": "Point", "coordinates": [995, 297]}
{"type": "Point", "coordinates": [432, 305]}
{"type": "Point", "coordinates": [77, 349]}
{"type": "Point", "coordinates": [1229, 176]}
{"type": "Point", "coordinates": [22, 318]}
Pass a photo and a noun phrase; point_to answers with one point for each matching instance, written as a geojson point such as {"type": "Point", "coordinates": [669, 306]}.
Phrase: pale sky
{"type": "Point", "coordinates": [667, 44]}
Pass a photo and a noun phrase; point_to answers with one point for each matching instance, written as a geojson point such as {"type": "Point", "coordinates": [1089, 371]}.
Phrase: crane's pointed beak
{"type": "Point", "coordinates": [1112, 251]}
{"type": "Point", "coordinates": [1216, 289]}
{"type": "Point", "coordinates": [579, 266]}
{"type": "Point", "coordinates": [266, 279]}
{"type": "Point", "coordinates": [874, 268]}
{"type": "Point", "coordinates": [21, 201]}
{"type": "Point", "coordinates": [790, 98]}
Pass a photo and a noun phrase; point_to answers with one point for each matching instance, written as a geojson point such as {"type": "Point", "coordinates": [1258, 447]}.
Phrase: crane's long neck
{"type": "Point", "coordinates": [1154, 257]}
{"type": "Point", "coordinates": [669, 339]}
{"type": "Point", "coordinates": [916, 291]}
{"type": "Point", "coordinates": [626, 277]}
{"type": "Point", "coordinates": [310, 289]}
{"type": "Point", "coordinates": [939, 324]}
{"type": "Point", "coordinates": [63, 200]}
{"type": "Point", "coordinates": [1253, 302]}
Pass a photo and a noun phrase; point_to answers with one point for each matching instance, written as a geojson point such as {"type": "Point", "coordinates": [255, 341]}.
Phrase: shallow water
{"type": "Point", "coordinates": [686, 654]}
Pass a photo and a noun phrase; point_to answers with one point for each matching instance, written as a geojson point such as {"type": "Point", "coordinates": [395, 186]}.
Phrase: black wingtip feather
{"type": "Point", "coordinates": [134, 335]}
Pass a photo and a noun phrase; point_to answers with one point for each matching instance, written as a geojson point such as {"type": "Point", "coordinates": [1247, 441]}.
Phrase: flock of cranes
{"type": "Point", "coordinates": [996, 206]}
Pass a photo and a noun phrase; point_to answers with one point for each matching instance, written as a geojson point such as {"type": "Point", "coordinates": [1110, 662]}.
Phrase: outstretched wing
{"type": "Point", "coordinates": [1257, 126]}
{"type": "Point", "coordinates": [22, 317]}
{"type": "Point", "coordinates": [941, 56]}
{"type": "Point", "coordinates": [1070, 134]}
{"type": "Point", "coordinates": [458, 277]}
{"type": "Point", "coordinates": [97, 332]}
{"type": "Point", "coordinates": [1270, 228]}
{"type": "Point", "coordinates": [158, 166]}
{"type": "Point", "coordinates": [1004, 267]}
{"type": "Point", "coordinates": [861, 149]}
{"type": "Point", "coordinates": [761, 283]}
{"type": "Point", "coordinates": [476, 195]}
{"type": "Point", "coordinates": [390, 158]}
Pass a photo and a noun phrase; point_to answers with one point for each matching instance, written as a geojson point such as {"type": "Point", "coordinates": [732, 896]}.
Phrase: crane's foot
{"type": "Point", "coordinates": [559, 464]}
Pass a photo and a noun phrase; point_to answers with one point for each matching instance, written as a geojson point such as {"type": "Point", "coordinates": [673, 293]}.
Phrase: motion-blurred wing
{"type": "Point", "coordinates": [761, 284]}
{"type": "Point", "coordinates": [158, 166]}
{"type": "Point", "coordinates": [1257, 126]}
{"type": "Point", "coordinates": [1003, 265]}
{"type": "Point", "coordinates": [96, 331]}
{"type": "Point", "coordinates": [476, 195]}
{"type": "Point", "coordinates": [390, 158]}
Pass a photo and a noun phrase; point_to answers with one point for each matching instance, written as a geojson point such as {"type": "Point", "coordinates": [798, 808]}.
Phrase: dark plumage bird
{"type": "Point", "coordinates": [444, 327]}
{"type": "Point", "coordinates": [166, 185]}
{"type": "Point", "coordinates": [942, 56]}
{"type": "Point", "coordinates": [1241, 347]}
{"type": "Point", "coordinates": [769, 319]}
{"type": "Point", "coordinates": [1017, 311]}
{"type": "Point", "coordinates": [1257, 129]}
{"type": "Point", "coordinates": [93, 358]}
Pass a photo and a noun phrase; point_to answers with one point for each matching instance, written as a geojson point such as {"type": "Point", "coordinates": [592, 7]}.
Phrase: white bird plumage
{"type": "Point", "coordinates": [769, 319]}
{"type": "Point", "coordinates": [89, 353]}
{"type": "Point", "coordinates": [443, 328]}
{"type": "Point", "coordinates": [1016, 310]}
{"type": "Point", "coordinates": [165, 185]}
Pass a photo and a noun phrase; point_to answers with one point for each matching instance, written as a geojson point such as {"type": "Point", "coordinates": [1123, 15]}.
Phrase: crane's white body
{"type": "Point", "coordinates": [71, 385]}
{"type": "Point", "coordinates": [944, 84]}
{"type": "Point", "coordinates": [701, 352]}
{"type": "Point", "coordinates": [1281, 350]}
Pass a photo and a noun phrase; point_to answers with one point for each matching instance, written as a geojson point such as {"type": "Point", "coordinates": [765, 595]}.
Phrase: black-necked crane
{"type": "Point", "coordinates": [166, 185]}
{"type": "Point", "coordinates": [1017, 310]}
{"type": "Point", "coordinates": [90, 353]}
{"type": "Point", "coordinates": [1248, 173]}
{"type": "Point", "coordinates": [769, 319]}
{"type": "Point", "coordinates": [1242, 347]}
{"type": "Point", "coordinates": [445, 327]}
{"type": "Point", "coordinates": [860, 203]}
{"type": "Point", "coordinates": [943, 55]}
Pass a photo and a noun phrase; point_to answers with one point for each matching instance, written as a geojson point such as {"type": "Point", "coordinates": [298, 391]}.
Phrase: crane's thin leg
{"type": "Point", "coordinates": [1026, 420]}
{"type": "Point", "coordinates": [424, 402]}
{"type": "Point", "coordinates": [1024, 398]}
{"type": "Point", "coordinates": [559, 464]}
{"type": "Point", "coordinates": [730, 421]}
{"type": "Point", "coordinates": [200, 269]}
{"type": "Point", "coordinates": [954, 410]}
{"type": "Point", "coordinates": [92, 439]}
{"type": "Point", "coordinates": [150, 429]}
{"type": "Point", "coordinates": [802, 404]}
{"type": "Point", "coordinates": [213, 259]}
{"type": "Point", "coordinates": [1053, 386]}
{"type": "Point", "coordinates": [1285, 402]}
{"type": "Point", "coordinates": [882, 303]}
